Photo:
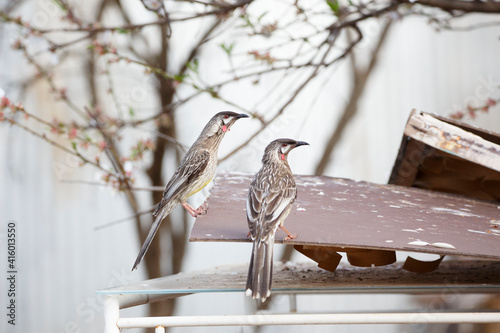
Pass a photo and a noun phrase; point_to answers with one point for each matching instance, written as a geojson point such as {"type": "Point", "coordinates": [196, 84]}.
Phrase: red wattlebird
{"type": "Point", "coordinates": [196, 170]}
{"type": "Point", "coordinates": [269, 202]}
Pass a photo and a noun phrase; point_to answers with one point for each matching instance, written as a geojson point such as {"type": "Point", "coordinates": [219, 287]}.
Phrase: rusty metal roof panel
{"type": "Point", "coordinates": [345, 213]}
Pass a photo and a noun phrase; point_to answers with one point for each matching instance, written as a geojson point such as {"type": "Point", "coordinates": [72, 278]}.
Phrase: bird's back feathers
{"type": "Point", "coordinates": [269, 202]}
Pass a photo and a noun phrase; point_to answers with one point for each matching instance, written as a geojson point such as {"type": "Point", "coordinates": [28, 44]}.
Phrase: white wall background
{"type": "Point", "coordinates": [62, 260]}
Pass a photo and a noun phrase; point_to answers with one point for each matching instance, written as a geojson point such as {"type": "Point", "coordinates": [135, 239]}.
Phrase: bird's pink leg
{"type": "Point", "coordinates": [190, 209]}
{"type": "Point", "coordinates": [202, 210]}
{"type": "Point", "coordinates": [290, 236]}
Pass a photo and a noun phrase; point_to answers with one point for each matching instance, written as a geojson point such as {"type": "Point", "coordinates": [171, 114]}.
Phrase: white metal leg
{"type": "Point", "coordinates": [160, 329]}
{"type": "Point", "coordinates": [111, 314]}
{"type": "Point", "coordinates": [293, 302]}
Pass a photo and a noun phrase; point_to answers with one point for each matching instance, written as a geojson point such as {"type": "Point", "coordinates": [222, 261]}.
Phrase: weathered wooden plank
{"type": "Point", "coordinates": [452, 139]}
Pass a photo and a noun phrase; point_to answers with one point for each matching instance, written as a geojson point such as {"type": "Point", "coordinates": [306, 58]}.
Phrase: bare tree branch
{"type": "Point", "coordinates": [360, 80]}
{"type": "Point", "coordinates": [490, 7]}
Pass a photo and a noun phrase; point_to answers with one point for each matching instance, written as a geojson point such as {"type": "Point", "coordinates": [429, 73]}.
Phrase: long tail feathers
{"type": "Point", "coordinates": [260, 270]}
{"type": "Point", "coordinates": [152, 232]}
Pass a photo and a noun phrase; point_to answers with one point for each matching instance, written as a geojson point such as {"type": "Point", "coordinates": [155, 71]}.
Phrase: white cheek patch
{"type": "Point", "coordinates": [213, 130]}
{"type": "Point", "coordinates": [285, 149]}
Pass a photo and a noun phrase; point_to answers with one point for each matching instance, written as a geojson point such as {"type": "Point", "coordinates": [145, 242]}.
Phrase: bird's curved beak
{"type": "Point", "coordinates": [301, 143]}
{"type": "Point", "coordinates": [232, 121]}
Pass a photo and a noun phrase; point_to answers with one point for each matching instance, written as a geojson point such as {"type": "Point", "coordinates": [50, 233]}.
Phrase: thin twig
{"type": "Point", "coordinates": [134, 216]}
{"type": "Point", "coordinates": [133, 188]}
{"type": "Point", "coordinates": [360, 80]}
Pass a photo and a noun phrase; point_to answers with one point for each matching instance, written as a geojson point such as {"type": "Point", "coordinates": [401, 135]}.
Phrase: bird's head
{"type": "Point", "coordinates": [221, 123]}
{"type": "Point", "coordinates": [279, 149]}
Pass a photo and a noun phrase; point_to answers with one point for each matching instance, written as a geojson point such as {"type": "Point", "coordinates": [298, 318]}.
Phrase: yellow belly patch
{"type": "Point", "coordinates": [198, 189]}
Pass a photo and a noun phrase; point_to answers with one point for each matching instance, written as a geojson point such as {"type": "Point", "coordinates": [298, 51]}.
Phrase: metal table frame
{"type": "Point", "coordinates": [474, 277]}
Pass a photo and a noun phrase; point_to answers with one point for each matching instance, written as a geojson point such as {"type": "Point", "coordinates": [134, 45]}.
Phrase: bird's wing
{"type": "Point", "coordinates": [265, 209]}
{"type": "Point", "coordinates": [191, 167]}
{"type": "Point", "coordinates": [278, 203]}
{"type": "Point", "coordinates": [254, 207]}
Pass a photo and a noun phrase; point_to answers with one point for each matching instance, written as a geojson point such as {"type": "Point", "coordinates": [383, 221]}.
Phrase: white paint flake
{"type": "Point", "coordinates": [406, 202]}
{"type": "Point", "coordinates": [410, 230]}
{"type": "Point", "coordinates": [476, 231]}
{"type": "Point", "coordinates": [453, 211]}
{"type": "Point", "coordinates": [418, 243]}
{"type": "Point", "coordinates": [443, 245]}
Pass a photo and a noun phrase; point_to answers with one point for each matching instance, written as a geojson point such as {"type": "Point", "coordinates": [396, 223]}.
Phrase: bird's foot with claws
{"type": "Point", "coordinates": [290, 237]}
{"type": "Point", "coordinates": [202, 210]}
{"type": "Point", "coordinates": [289, 234]}
{"type": "Point", "coordinates": [193, 212]}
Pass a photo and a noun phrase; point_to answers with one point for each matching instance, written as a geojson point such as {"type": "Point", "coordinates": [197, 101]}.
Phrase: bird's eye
{"type": "Point", "coordinates": [226, 116]}
{"type": "Point", "coordinates": [284, 145]}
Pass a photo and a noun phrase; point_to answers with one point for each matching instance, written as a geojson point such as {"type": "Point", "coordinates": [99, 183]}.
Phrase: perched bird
{"type": "Point", "coordinates": [269, 202]}
{"type": "Point", "coordinates": [196, 170]}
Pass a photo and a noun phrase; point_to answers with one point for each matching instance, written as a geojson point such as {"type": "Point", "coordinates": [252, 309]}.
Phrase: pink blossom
{"type": "Point", "coordinates": [4, 102]}
{"type": "Point", "coordinates": [84, 144]}
{"type": "Point", "coordinates": [102, 145]}
{"type": "Point", "coordinates": [72, 133]}
{"type": "Point", "coordinates": [491, 102]}
{"type": "Point", "coordinates": [149, 144]}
